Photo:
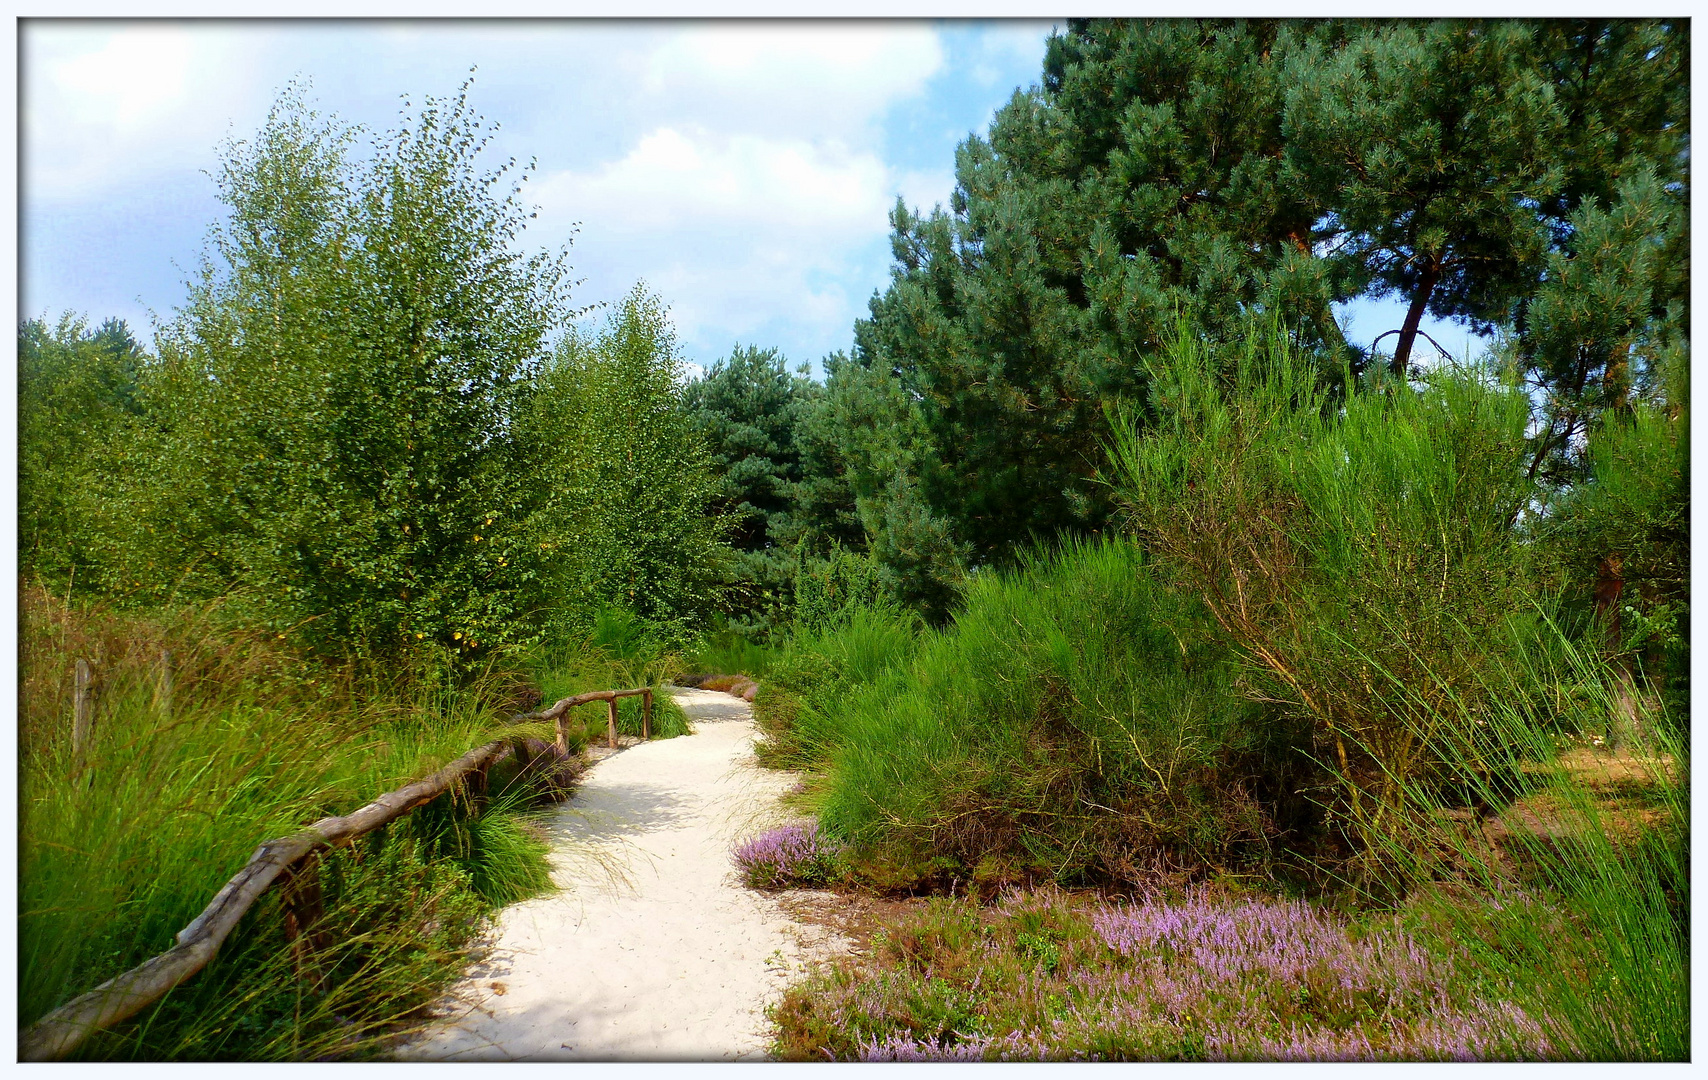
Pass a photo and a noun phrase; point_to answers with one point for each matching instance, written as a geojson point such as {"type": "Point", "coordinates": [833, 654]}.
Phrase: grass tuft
{"type": "Point", "coordinates": [125, 840]}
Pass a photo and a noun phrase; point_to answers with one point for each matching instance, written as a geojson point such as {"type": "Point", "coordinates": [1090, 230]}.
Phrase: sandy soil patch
{"type": "Point", "coordinates": [652, 950]}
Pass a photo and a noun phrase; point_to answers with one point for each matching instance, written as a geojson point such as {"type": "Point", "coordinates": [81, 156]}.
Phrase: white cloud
{"type": "Point", "coordinates": [103, 106]}
{"type": "Point", "coordinates": [756, 202]}
{"type": "Point", "coordinates": [744, 169]}
{"type": "Point", "coordinates": [807, 79]}
{"type": "Point", "coordinates": [136, 74]}
{"type": "Point", "coordinates": [672, 179]}
{"type": "Point", "coordinates": [727, 228]}
{"type": "Point", "coordinates": [923, 190]}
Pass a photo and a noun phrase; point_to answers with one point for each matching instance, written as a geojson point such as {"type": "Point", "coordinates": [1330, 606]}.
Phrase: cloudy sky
{"type": "Point", "coordinates": [743, 169]}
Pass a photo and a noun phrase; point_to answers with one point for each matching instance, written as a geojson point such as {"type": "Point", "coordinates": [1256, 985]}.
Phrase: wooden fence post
{"type": "Point", "coordinates": [163, 684]}
{"type": "Point", "coordinates": [611, 722]}
{"type": "Point", "coordinates": [83, 707]}
{"type": "Point", "coordinates": [474, 786]}
{"type": "Point", "coordinates": [303, 909]}
{"type": "Point", "coordinates": [563, 733]}
{"type": "Point", "coordinates": [646, 713]}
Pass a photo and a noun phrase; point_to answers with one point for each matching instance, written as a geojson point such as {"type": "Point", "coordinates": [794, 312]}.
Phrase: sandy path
{"type": "Point", "coordinates": [652, 951]}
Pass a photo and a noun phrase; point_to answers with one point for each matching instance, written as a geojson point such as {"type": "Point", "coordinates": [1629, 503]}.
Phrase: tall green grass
{"type": "Point", "coordinates": [1038, 734]}
{"type": "Point", "coordinates": [1579, 861]}
{"type": "Point", "coordinates": [1389, 573]}
{"type": "Point", "coordinates": [1306, 510]}
{"type": "Point", "coordinates": [1342, 652]}
{"type": "Point", "coordinates": [123, 843]}
{"type": "Point", "coordinates": [812, 683]}
{"type": "Point", "coordinates": [728, 652]}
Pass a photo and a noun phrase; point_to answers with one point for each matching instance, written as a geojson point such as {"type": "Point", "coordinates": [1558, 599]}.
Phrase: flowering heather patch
{"type": "Point", "coordinates": [1015, 1046]}
{"type": "Point", "coordinates": [791, 855]}
{"type": "Point", "coordinates": [1281, 946]}
{"type": "Point", "coordinates": [1043, 976]}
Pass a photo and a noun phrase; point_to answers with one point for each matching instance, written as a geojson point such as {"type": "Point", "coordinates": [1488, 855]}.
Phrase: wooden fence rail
{"type": "Point", "coordinates": [121, 997]}
{"type": "Point", "coordinates": [559, 712]}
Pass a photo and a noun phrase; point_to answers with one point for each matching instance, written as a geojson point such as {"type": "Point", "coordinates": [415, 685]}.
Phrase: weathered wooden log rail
{"type": "Point", "coordinates": [121, 997]}
{"type": "Point", "coordinates": [559, 712]}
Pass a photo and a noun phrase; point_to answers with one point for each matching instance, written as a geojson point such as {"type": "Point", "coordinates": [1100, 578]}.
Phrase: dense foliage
{"type": "Point", "coordinates": [78, 391]}
{"type": "Point", "coordinates": [750, 408]}
{"type": "Point", "coordinates": [1332, 658]}
{"type": "Point", "coordinates": [1528, 176]}
{"type": "Point", "coordinates": [1103, 557]}
{"type": "Point", "coordinates": [1358, 556]}
{"type": "Point", "coordinates": [623, 485]}
{"type": "Point", "coordinates": [359, 430]}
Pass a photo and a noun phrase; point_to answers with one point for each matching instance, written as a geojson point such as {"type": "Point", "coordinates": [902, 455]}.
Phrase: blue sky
{"type": "Point", "coordinates": [743, 169]}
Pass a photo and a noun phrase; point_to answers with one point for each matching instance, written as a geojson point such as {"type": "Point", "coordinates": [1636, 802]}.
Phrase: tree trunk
{"type": "Point", "coordinates": [1624, 723]}
{"type": "Point", "coordinates": [1414, 316]}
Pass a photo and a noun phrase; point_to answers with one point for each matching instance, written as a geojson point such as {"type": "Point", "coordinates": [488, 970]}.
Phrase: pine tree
{"type": "Point", "coordinates": [1210, 177]}
{"type": "Point", "coordinates": [748, 408]}
{"type": "Point", "coordinates": [1141, 182]}
{"type": "Point", "coordinates": [1433, 145]}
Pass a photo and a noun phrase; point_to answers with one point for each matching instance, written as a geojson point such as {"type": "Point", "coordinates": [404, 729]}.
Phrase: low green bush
{"type": "Point", "coordinates": [1584, 856]}
{"type": "Point", "coordinates": [729, 652]}
{"type": "Point", "coordinates": [812, 683]}
{"type": "Point", "coordinates": [1053, 976]}
{"type": "Point", "coordinates": [1074, 722]}
{"type": "Point", "coordinates": [620, 652]}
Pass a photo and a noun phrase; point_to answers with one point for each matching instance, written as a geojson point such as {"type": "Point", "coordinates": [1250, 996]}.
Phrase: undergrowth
{"type": "Point", "coordinates": [619, 653]}
{"type": "Point", "coordinates": [1055, 976]}
{"type": "Point", "coordinates": [124, 840]}
{"type": "Point", "coordinates": [1070, 725]}
{"type": "Point", "coordinates": [801, 699]}
{"type": "Point", "coordinates": [1543, 860]}
{"type": "Point", "coordinates": [728, 652]}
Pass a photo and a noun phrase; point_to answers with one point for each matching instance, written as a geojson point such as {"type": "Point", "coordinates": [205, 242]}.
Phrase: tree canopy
{"type": "Point", "coordinates": [1221, 175]}
{"type": "Point", "coordinates": [374, 426]}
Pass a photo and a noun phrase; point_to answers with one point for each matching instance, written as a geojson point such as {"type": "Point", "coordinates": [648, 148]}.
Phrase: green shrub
{"type": "Point", "coordinates": [359, 432]}
{"type": "Point", "coordinates": [729, 652]}
{"type": "Point", "coordinates": [1361, 552]}
{"type": "Point", "coordinates": [800, 699]}
{"type": "Point", "coordinates": [1585, 897]}
{"type": "Point", "coordinates": [619, 652]}
{"type": "Point", "coordinates": [78, 383]}
{"type": "Point", "coordinates": [333, 436]}
{"type": "Point", "coordinates": [1073, 722]}
{"type": "Point", "coordinates": [828, 591]}
{"type": "Point", "coordinates": [1622, 539]}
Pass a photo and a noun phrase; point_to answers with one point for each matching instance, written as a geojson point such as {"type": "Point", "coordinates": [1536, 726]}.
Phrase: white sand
{"type": "Point", "coordinates": [652, 951]}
